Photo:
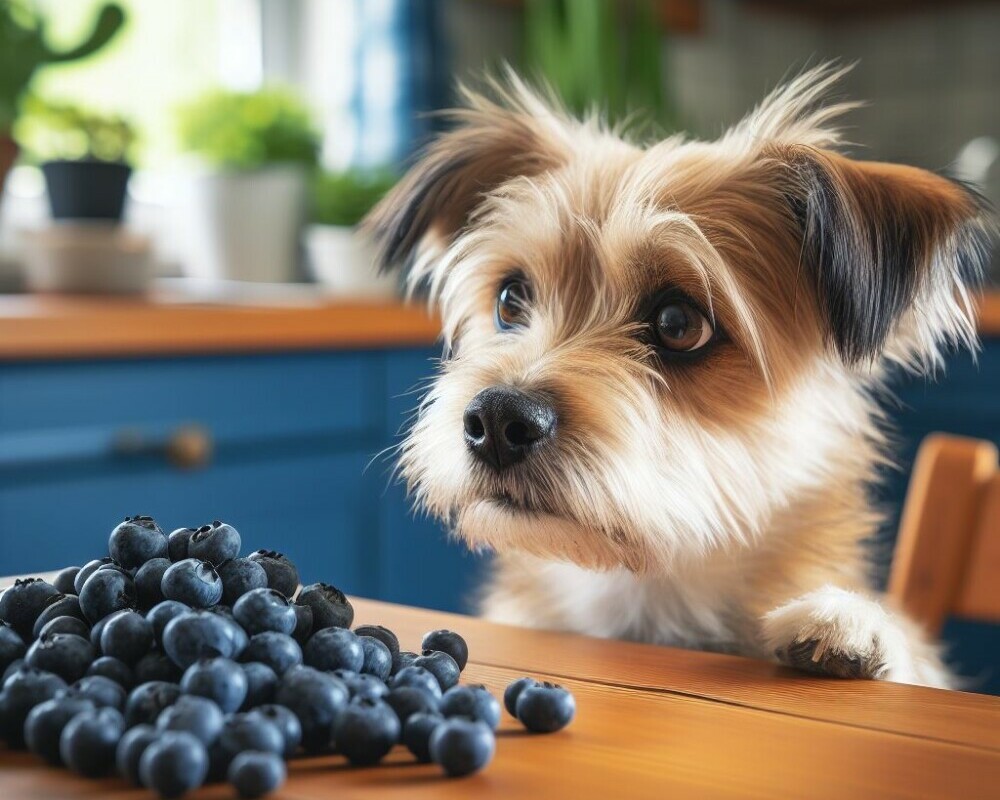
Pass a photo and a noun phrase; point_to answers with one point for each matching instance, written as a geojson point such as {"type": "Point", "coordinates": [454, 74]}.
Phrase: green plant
{"type": "Point", "coordinates": [343, 198]}
{"type": "Point", "coordinates": [24, 48]}
{"type": "Point", "coordinates": [603, 54]}
{"type": "Point", "coordinates": [49, 130]}
{"type": "Point", "coordinates": [245, 130]}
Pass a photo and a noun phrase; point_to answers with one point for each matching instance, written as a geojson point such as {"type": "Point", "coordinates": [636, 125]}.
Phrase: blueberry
{"type": "Point", "coordinates": [377, 658]}
{"type": "Point", "coordinates": [303, 623]}
{"type": "Point", "coordinates": [250, 731]}
{"type": "Point", "coordinates": [404, 658]}
{"type": "Point", "coordinates": [108, 590]}
{"type": "Point", "coordinates": [417, 734]}
{"type": "Point", "coordinates": [330, 607]}
{"type": "Point", "coordinates": [545, 707]}
{"type": "Point", "coordinates": [262, 683]}
{"type": "Point", "coordinates": [89, 741]}
{"type": "Point", "coordinates": [160, 614]}
{"type": "Point", "coordinates": [149, 582]}
{"type": "Point", "coordinates": [384, 635]}
{"type": "Point", "coordinates": [118, 671]}
{"type": "Point", "coordinates": [239, 576]}
{"type": "Point", "coordinates": [63, 581]}
{"type": "Point", "coordinates": [128, 636]}
{"type": "Point", "coordinates": [365, 731]}
{"type": "Point", "coordinates": [63, 654]}
{"type": "Point", "coordinates": [200, 634]}
{"type": "Point", "coordinates": [362, 685]}
{"type": "Point", "coordinates": [130, 749]}
{"type": "Point", "coordinates": [45, 722]}
{"type": "Point", "coordinates": [317, 699]}
{"type": "Point", "coordinates": [282, 575]}
{"type": "Point", "coordinates": [441, 665]}
{"type": "Point", "coordinates": [102, 692]}
{"type": "Point", "coordinates": [255, 774]}
{"type": "Point", "coordinates": [513, 691]}
{"type": "Point", "coordinates": [214, 543]}
{"type": "Point", "coordinates": [219, 679]}
{"type": "Point", "coordinates": [196, 715]}
{"type": "Point", "coordinates": [177, 543]}
{"type": "Point", "coordinates": [462, 746]}
{"type": "Point", "coordinates": [174, 764]}
{"type": "Point", "coordinates": [72, 625]}
{"type": "Point", "coordinates": [147, 700]}
{"type": "Point", "coordinates": [11, 645]}
{"type": "Point", "coordinates": [407, 701]}
{"type": "Point", "coordinates": [262, 610]}
{"type": "Point", "coordinates": [22, 691]}
{"type": "Point", "coordinates": [63, 605]}
{"type": "Point", "coordinates": [447, 642]}
{"type": "Point", "coordinates": [98, 628]}
{"type": "Point", "coordinates": [192, 582]}
{"type": "Point", "coordinates": [474, 702]}
{"type": "Point", "coordinates": [286, 722]}
{"type": "Point", "coordinates": [87, 570]}
{"type": "Point", "coordinates": [135, 541]}
{"type": "Point", "coordinates": [12, 667]}
{"type": "Point", "coordinates": [21, 604]}
{"type": "Point", "coordinates": [278, 651]}
{"type": "Point", "coordinates": [156, 666]}
{"type": "Point", "coordinates": [334, 648]}
{"type": "Point", "coordinates": [418, 678]}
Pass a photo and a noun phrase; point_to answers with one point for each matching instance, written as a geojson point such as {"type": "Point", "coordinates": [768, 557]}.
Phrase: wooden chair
{"type": "Point", "coordinates": [947, 558]}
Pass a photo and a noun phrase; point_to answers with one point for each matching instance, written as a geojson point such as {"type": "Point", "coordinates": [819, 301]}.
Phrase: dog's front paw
{"type": "Point", "coordinates": [847, 635]}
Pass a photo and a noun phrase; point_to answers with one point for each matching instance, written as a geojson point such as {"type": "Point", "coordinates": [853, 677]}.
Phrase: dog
{"type": "Point", "coordinates": [658, 401]}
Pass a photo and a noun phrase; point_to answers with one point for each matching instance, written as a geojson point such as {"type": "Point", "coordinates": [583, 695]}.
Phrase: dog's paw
{"type": "Point", "coordinates": [843, 634]}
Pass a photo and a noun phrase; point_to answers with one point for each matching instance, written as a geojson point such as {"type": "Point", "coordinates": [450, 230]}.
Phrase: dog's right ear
{"type": "Point", "coordinates": [488, 144]}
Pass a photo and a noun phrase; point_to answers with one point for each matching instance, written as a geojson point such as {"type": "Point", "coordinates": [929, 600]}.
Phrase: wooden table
{"type": "Point", "coordinates": [651, 722]}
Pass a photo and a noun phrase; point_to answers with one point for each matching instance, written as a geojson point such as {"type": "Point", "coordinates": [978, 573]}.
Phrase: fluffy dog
{"type": "Point", "coordinates": [657, 406]}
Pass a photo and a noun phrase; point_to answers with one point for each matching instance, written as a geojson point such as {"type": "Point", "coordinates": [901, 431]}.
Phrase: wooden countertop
{"type": "Point", "coordinates": [651, 722]}
{"type": "Point", "coordinates": [41, 327]}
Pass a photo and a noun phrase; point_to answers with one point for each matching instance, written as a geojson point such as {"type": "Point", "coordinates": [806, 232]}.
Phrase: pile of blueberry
{"type": "Point", "coordinates": [180, 662]}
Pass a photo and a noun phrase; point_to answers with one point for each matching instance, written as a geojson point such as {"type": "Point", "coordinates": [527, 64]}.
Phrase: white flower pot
{"type": "Point", "coordinates": [342, 259]}
{"type": "Point", "coordinates": [245, 225]}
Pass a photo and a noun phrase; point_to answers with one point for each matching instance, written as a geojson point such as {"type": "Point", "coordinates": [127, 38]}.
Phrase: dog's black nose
{"type": "Point", "coordinates": [503, 425]}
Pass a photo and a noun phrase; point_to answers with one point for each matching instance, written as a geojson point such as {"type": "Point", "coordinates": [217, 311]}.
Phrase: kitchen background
{"type": "Point", "coordinates": [188, 323]}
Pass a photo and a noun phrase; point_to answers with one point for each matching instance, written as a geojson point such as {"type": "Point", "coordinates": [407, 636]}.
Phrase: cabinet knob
{"type": "Point", "coordinates": [189, 447]}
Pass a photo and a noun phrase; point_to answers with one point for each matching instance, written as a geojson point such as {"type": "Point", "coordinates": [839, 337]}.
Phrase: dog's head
{"type": "Point", "coordinates": [654, 348]}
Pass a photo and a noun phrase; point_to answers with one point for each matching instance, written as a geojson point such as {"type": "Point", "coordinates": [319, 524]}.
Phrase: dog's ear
{"type": "Point", "coordinates": [488, 144]}
{"type": "Point", "coordinates": [892, 251]}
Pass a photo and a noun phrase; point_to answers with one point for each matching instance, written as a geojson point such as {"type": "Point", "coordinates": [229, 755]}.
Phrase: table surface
{"type": "Point", "coordinates": [651, 722]}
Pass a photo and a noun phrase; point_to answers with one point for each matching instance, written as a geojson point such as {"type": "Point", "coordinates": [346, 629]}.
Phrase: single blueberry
{"type": "Point", "coordinates": [156, 666]}
{"type": "Point", "coordinates": [545, 708]}
{"type": "Point", "coordinates": [45, 722]}
{"type": "Point", "coordinates": [177, 543]}
{"type": "Point", "coordinates": [214, 543]}
{"type": "Point", "coordinates": [12, 646]}
{"type": "Point", "coordinates": [21, 604]}
{"type": "Point", "coordinates": [303, 623]}
{"type": "Point", "coordinates": [108, 590]}
{"type": "Point", "coordinates": [408, 700]}
{"type": "Point", "coordinates": [255, 774]}
{"type": "Point", "coordinates": [441, 665]}
{"type": "Point", "coordinates": [418, 678]}
{"type": "Point", "coordinates": [474, 702]}
{"type": "Point", "coordinates": [87, 570]}
{"type": "Point", "coordinates": [239, 576]}
{"type": "Point", "coordinates": [513, 691]}
{"type": "Point", "coordinates": [462, 746]}
{"type": "Point", "coordinates": [149, 583]}
{"type": "Point", "coordinates": [12, 667]}
{"type": "Point", "coordinates": [447, 642]}
{"type": "Point", "coordinates": [63, 654]}
{"type": "Point", "coordinates": [362, 685]}
{"type": "Point", "coordinates": [417, 734]}
{"type": "Point", "coordinates": [200, 634]}
{"type": "Point", "coordinates": [147, 700]}
{"type": "Point", "coordinates": [278, 651]}
{"type": "Point", "coordinates": [73, 625]}
{"type": "Point", "coordinates": [334, 648]}
{"type": "Point", "coordinates": [135, 541]}
{"type": "Point", "coordinates": [66, 605]}
{"type": "Point", "coordinates": [384, 635]}
{"type": "Point", "coordinates": [330, 607]}
{"type": "Point", "coordinates": [118, 671]}
{"type": "Point", "coordinates": [403, 658]}
{"type": "Point", "coordinates": [160, 614]}
{"type": "Point", "coordinates": [250, 731]}
{"type": "Point", "coordinates": [98, 628]}
{"type": "Point", "coordinates": [262, 610]}
{"type": "Point", "coordinates": [317, 699]}
{"type": "Point", "coordinates": [192, 582]}
{"type": "Point", "coordinates": [196, 715]}
{"type": "Point", "coordinates": [365, 731]}
{"type": "Point", "coordinates": [378, 659]}
{"type": "Point", "coordinates": [22, 691]}
{"type": "Point", "coordinates": [262, 683]}
{"type": "Point", "coordinates": [174, 764]}
{"type": "Point", "coordinates": [128, 636]}
{"type": "Point", "coordinates": [286, 722]}
{"type": "Point", "coordinates": [219, 679]}
{"type": "Point", "coordinates": [102, 692]}
{"type": "Point", "coordinates": [282, 575]}
{"type": "Point", "coordinates": [64, 580]}
{"type": "Point", "coordinates": [89, 740]}
{"type": "Point", "coordinates": [130, 749]}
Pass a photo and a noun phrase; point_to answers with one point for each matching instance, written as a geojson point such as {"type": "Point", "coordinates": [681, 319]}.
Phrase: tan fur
{"type": "Point", "coordinates": [720, 503]}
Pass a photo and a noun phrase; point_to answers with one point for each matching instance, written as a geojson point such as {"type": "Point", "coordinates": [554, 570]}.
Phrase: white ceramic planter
{"type": "Point", "coordinates": [342, 260]}
{"type": "Point", "coordinates": [245, 225]}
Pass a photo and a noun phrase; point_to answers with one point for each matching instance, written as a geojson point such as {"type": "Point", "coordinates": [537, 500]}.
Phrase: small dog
{"type": "Point", "coordinates": [657, 406]}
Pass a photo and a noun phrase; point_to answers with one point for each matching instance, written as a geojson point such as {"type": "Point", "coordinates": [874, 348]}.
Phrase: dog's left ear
{"type": "Point", "coordinates": [892, 251]}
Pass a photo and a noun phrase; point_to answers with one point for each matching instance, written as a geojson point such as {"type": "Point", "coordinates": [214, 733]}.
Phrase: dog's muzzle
{"type": "Point", "coordinates": [504, 425]}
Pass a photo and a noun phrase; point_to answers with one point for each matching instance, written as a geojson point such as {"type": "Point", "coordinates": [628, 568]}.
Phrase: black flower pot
{"type": "Point", "coordinates": [87, 189]}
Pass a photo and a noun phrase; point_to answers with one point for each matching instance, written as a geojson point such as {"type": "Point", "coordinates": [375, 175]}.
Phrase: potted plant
{"type": "Point", "coordinates": [246, 211]}
{"type": "Point", "coordinates": [339, 255]}
{"type": "Point", "coordinates": [24, 48]}
{"type": "Point", "coordinates": [84, 157]}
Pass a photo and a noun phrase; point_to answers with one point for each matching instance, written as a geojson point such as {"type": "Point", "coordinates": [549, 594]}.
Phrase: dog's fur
{"type": "Point", "coordinates": [719, 502]}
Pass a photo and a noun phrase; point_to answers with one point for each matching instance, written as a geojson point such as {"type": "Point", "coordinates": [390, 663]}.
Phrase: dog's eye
{"type": "Point", "coordinates": [513, 300]}
{"type": "Point", "coordinates": [681, 328]}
